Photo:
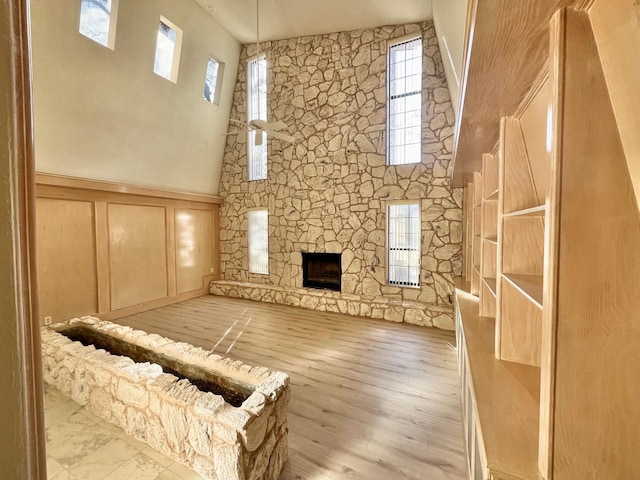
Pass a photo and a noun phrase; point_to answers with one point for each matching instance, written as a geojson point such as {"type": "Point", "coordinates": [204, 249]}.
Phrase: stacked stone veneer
{"type": "Point", "coordinates": [197, 429]}
{"type": "Point", "coordinates": [328, 192]}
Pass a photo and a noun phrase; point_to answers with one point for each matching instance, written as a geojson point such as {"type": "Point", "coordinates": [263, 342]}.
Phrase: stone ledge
{"type": "Point", "coordinates": [379, 307]}
{"type": "Point", "coordinates": [198, 429]}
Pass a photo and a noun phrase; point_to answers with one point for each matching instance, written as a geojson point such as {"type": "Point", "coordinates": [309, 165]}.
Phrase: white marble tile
{"type": "Point", "coordinates": [59, 411]}
{"type": "Point", "coordinates": [104, 460]}
{"type": "Point", "coordinates": [119, 433]}
{"type": "Point", "coordinates": [181, 472]}
{"type": "Point", "coordinates": [64, 475]}
{"type": "Point", "coordinates": [53, 467]}
{"type": "Point", "coordinates": [156, 456]}
{"type": "Point", "coordinates": [168, 475]}
{"type": "Point", "coordinates": [139, 467]}
{"type": "Point", "coordinates": [52, 396]}
{"type": "Point", "coordinates": [69, 442]}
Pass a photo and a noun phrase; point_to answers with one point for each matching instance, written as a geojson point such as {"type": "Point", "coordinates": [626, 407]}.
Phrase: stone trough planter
{"type": "Point", "coordinates": [196, 428]}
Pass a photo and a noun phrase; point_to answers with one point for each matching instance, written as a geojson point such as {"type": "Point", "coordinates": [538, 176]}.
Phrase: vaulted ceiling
{"type": "Point", "coordinates": [294, 18]}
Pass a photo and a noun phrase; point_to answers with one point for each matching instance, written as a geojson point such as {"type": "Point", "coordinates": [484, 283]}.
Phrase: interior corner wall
{"type": "Point", "coordinates": [104, 114]}
{"type": "Point", "coordinates": [449, 18]}
{"type": "Point", "coordinates": [329, 191]}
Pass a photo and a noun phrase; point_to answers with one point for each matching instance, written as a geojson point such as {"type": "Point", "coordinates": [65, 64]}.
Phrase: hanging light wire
{"type": "Point", "coordinates": [258, 25]}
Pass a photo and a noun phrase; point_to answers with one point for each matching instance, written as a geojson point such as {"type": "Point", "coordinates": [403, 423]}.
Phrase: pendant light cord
{"type": "Point", "coordinates": [258, 25]}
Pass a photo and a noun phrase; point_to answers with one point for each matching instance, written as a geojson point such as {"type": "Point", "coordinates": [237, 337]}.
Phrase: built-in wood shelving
{"type": "Point", "coordinates": [502, 396]}
{"type": "Point", "coordinates": [524, 165]}
{"type": "Point", "coordinates": [491, 283]}
{"type": "Point", "coordinates": [529, 285]}
{"type": "Point", "coordinates": [504, 355]}
{"type": "Point", "coordinates": [538, 211]}
{"type": "Point", "coordinates": [476, 277]}
{"type": "Point", "coordinates": [563, 345]}
{"type": "Point", "coordinates": [489, 194]}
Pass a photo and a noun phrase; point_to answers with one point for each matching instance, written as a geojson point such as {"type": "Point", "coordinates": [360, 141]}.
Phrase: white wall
{"type": "Point", "coordinates": [449, 17]}
{"type": "Point", "coordinates": [103, 114]}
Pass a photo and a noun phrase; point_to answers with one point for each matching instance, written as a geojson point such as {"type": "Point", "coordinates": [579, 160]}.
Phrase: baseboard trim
{"type": "Point", "coordinates": [162, 302]}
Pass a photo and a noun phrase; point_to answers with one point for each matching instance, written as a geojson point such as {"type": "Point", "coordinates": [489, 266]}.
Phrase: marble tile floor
{"type": "Point", "coordinates": [81, 446]}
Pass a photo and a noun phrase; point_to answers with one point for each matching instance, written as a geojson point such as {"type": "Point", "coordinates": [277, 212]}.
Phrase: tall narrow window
{"type": "Point", "coordinates": [257, 110]}
{"type": "Point", "coordinates": [403, 244]}
{"type": "Point", "coordinates": [211, 81]}
{"type": "Point", "coordinates": [258, 241]}
{"type": "Point", "coordinates": [168, 48]}
{"type": "Point", "coordinates": [404, 84]}
{"type": "Point", "coordinates": [98, 21]}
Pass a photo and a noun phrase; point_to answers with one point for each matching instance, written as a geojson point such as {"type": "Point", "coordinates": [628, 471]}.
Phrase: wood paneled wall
{"type": "Point", "coordinates": [113, 250]}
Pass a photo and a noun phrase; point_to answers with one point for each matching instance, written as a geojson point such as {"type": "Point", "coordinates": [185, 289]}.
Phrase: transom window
{"type": "Point", "coordinates": [211, 83]}
{"type": "Point", "coordinates": [258, 239]}
{"type": "Point", "coordinates": [257, 110]}
{"type": "Point", "coordinates": [403, 244]}
{"type": "Point", "coordinates": [168, 46]}
{"type": "Point", "coordinates": [98, 21]}
{"type": "Point", "coordinates": [404, 104]}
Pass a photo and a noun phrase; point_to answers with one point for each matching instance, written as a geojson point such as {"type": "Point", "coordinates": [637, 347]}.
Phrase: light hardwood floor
{"type": "Point", "coordinates": [370, 399]}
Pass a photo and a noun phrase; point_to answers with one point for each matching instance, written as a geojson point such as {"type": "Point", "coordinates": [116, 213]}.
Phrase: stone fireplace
{"type": "Point", "coordinates": [330, 189]}
{"type": "Point", "coordinates": [322, 270]}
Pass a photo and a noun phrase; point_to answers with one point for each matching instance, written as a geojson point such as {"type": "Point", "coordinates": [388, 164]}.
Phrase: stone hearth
{"type": "Point", "coordinates": [197, 429]}
{"type": "Point", "coordinates": [414, 312]}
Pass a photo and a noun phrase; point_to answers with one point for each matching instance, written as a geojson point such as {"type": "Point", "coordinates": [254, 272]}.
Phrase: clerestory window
{"type": "Point", "coordinates": [257, 110]}
{"type": "Point", "coordinates": [404, 102]}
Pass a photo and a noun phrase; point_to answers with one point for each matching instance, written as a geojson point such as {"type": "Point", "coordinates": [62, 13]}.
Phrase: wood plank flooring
{"type": "Point", "coordinates": [370, 399]}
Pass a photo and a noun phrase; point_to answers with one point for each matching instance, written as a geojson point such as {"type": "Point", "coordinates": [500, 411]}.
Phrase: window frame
{"type": "Point", "coordinates": [395, 282]}
{"type": "Point", "coordinates": [250, 252]}
{"type": "Point", "coordinates": [113, 20]}
{"type": "Point", "coordinates": [215, 99]}
{"type": "Point", "coordinates": [252, 169]}
{"type": "Point", "coordinates": [390, 45]}
{"type": "Point", "coordinates": [177, 50]}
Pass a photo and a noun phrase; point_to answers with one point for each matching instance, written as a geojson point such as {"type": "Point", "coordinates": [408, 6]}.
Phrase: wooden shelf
{"type": "Point", "coordinates": [477, 244]}
{"type": "Point", "coordinates": [475, 280]}
{"type": "Point", "coordinates": [538, 211]}
{"type": "Point", "coordinates": [491, 283]}
{"type": "Point", "coordinates": [506, 396]}
{"type": "Point", "coordinates": [529, 285]}
{"type": "Point", "coordinates": [489, 260]}
{"type": "Point", "coordinates": [489, 219]}
{"type": "Point", "coordinates": [493, 195]}
{"type": "Point", "coordinates": [477, 220]}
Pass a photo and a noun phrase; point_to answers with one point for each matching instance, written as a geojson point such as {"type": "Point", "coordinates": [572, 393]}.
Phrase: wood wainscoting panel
{"type": "Point", "coordinates": [66, 258]}
{"type": "Point", "coordinates": [137, 254]}
{"type": "Point", "coordinates": [148, 247]}
{"type": "Point", "coordinates": [194, 244]}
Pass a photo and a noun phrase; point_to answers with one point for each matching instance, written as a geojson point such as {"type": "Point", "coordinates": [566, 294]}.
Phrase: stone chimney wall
{"type": "Point", "coordinates": [328, 192]}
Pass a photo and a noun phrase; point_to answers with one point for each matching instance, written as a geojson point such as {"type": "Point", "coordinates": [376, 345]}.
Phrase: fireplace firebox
{"type": "Point", "coordinates": [322, 270]}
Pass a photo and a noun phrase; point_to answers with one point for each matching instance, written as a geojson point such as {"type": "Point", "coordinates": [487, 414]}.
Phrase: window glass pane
{"type": "Point", "coordinates": [412, 135]}
{"type": "Point", "coordinates": [95, 16]}
{"type": "Point", "coordinates": [257, 110]}
{"type": "Point", "coordinates": [165, 48]}
{"type": "Point", "coordinates": [403, 240]}
{"type": "Point", "coordinates": [404, 102]}
{"type": "Point", "coordinates": [258, 238]}
{"type": "Point", "coordinates": [211, 80]}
